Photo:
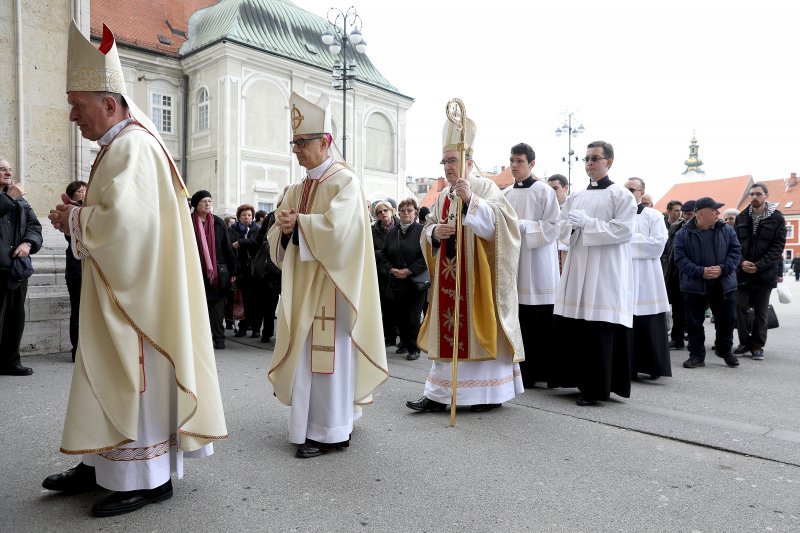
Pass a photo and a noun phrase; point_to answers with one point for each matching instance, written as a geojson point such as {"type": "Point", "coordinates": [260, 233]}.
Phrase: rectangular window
{"type": "Point", "coordinates": [266, 206]}
{"type": "Point", "coordinates": [161, 112]}
{"type": "Point", "coordinates": [789, 231]}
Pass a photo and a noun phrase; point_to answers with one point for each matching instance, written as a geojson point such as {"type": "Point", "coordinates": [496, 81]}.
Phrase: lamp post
{"type": "Point", "coordinates": [346, 31]}
{"type": "Point", "coordinates": [571, 131]}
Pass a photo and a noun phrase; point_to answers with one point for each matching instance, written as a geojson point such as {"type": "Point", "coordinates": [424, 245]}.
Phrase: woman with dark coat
{"type": "Point", "coordinates": [72, 271]}
{"type": "Point", "coordinates": [216, 261]}
{"type": "Point", "coordinates": [242, 234]}
{"type": "Point", "coordinates": [385, 220]}
{"type": "Point", "coordinates": [402, 259]}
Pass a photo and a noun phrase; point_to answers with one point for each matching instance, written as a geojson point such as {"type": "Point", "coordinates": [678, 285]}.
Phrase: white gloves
{"type": "Point", "coordinates": [578, 218]}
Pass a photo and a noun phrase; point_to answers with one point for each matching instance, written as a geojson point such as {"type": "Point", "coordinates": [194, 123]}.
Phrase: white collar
{"type": "Point", "coordinates": [317, 172]}
{"type": "Point", "coordinates": [106, 139]}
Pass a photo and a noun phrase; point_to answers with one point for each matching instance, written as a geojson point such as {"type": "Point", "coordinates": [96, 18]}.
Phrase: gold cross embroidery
{"type": "Point", "coordinates": [324, 318]}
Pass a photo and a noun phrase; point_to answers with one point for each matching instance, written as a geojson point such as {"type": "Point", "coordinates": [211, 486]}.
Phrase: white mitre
{"type": "Point", "coordinates": [91, 69]}
{"type": "Point", "coordinates": [451, 136]}
{"type": "Point", "coordinates": [308, 118]}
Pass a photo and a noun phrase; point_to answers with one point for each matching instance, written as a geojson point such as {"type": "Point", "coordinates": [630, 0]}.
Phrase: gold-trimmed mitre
{"type": "Point", "coordinates": [308, 118]}
{"type": "Point", "coordinates": [93, 69]}
{"type": "Point", "coordinates": [451, 136]}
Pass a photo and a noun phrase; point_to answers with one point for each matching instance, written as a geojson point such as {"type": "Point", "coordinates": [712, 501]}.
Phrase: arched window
{"type": "Point", "coordinates": [202, 110]}
{"type": "Point", "coordinates": [380, 144]}
{"type": "Point", "coordinates": [265, 117]}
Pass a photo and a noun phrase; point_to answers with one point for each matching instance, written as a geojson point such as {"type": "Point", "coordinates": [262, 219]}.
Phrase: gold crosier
{"type": "Point", "coordinates": [457, 114]}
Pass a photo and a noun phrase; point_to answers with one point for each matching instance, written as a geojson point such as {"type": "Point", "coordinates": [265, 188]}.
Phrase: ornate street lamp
{"type": "Point", "coordinates": [572, 131]}
{"type": "Point", "coordinates": [346, 31]}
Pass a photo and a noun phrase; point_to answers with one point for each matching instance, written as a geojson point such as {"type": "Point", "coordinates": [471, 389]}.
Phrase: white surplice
{"type": "Point", "coordinates": [479, 382]}
{"type": "Point", "coordinates": [647, 245]}
{"type": "Point", "coordinates": [597, 279]}
{"type": "Point", "coordinates": [537, 209]}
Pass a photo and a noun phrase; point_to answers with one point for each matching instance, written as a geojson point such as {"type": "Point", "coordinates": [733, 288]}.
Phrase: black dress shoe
{"type": "Point", "coordinates": [584, 402]}
{"type": "Point", "coordinates": [255, 334]}
{"type": "Point", "coordinates": [401, 350]}
{"type": "Point", "coordinates": [241, 332]}
{"type": "Point", "coordinates": [307, 451]}
{"type": "Point", "coordinates": [483, 407]}
{"type": "Point", "coordinates": [424, 404]}
{"type": "Point", "coordinates": [265, 338]}
{"type": "Point", "coordinates": [219, 345]}
{"type": "Point", "coordinates": [675, 345]}
{"type": "Point", "coordinates": [413, 356]}
{"type": "Point", "coordinates": [18, 370]}
{"type": "Point", "coordinates": [75, 480]}
{"type": "Point", "coordinates": [124, 502]}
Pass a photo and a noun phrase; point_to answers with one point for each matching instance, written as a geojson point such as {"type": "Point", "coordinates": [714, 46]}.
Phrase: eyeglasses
{"type": "Point", "coordinates": [301, 143]}
{"type": "Point", "coordinates": [450, 161]}
{"type": "Point", "coordinates": [594, 158]}
{"type": "Point", "coordinates": [4, 169]}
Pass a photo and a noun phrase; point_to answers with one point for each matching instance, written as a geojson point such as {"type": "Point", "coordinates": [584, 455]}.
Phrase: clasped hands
{"type": "Point", "coordinates": [59, 216]}
{"type": "Point", "coordinates": [578, 218]}
{"type": "Point", "coordinates": [749, 267]}
{"type": "Point", "coordinates": [400, 273]}
{"type": "Point", "coordinates": [712, 272]}
{"type": "Point", "coordinates": [287, 220]}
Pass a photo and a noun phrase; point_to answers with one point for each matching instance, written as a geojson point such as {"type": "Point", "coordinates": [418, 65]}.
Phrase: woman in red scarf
{"type": "Point", "coordinates": [216, 260]}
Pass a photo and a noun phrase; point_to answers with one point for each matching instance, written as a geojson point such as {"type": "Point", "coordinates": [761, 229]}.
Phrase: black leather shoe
{"type": "Point", "coordinates": [241, 332]}
{"type": "Point", "coordinates": [75, 480]}
{"type": "Point", "coordinates": [741, 350]}
{"type": "Point", "coordinates": [424, 404]}
{"type": "Point", "coordinates": [401, 350]}
{"type": "Point", "coordinates": [584, 402]}
{"type": "Point", "coordinates": [307, 451]}
{"type": "Point", "coordinates": [483, 407]}
{"type": "Point", "coordinates": [265, 338]}
{"type": "Point", "coordinates": [412, 356]}
{"type": "Point", "coordinates": [118, 503]}
{"type": "Point", "coordinates": [255, 334]}
{"type": "Point", "coordinates": [693, 363]}
{"type": "Point", "coordinates": [18, 370]}
{"type": "Point", "coordinates": [675, 345]}
{"type": "Point", "coordinates": [219, 345]}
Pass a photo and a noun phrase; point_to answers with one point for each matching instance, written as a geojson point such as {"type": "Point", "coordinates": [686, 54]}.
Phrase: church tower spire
{"type": "Point", "coordinates": [694, 163]}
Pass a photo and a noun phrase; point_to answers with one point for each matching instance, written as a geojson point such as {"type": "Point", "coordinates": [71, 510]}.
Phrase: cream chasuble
{"type": "Point", "coordinates": [329, 294]}
{"type": "Point", "coordinates": [141, 286]}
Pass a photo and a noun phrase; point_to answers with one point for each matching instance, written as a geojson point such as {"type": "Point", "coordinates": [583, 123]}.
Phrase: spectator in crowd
{"type": "Point", "coordinates": [647, 201]}
{"type": "Point", "coordinates": [729, 216]}
{"type": "Point", "coordinates": [266, 281]}
{"type": "Point", "coordinates": [761, 229]}
{"type": "Point", "coordinates": [672, 278]}
{"type": "Point", "coordinates": [489, 344]}
{"type": "Point", "coordinates": [536, 206]}
{"type": "Point", "coordinates": [385, 220]}
{"type": "Point", "coordinates": [242, 235]}
{"type": "Point", "coordinates": [401, 260]}
{"type": "Point", "coordinates": [20, 236]}
{"type": "Point", "coordinates": [259, 217]}
{"type": "Point", "coordinates": [796, 267]}
{"type": "Point", "coordinates": [650, 303]}
{"type": "Point", "coordinates": [72, 271]}
{"type": "Point", "coordinates": [423, 214]}
{"type": "Point", "coordinates": [216, 259]}
{"type": "Point", "coordinates": [595, 311]}
{"type": "Point", "coordinates": [707, 254]}
{"type": "Point", "coordinates": [673, 213]}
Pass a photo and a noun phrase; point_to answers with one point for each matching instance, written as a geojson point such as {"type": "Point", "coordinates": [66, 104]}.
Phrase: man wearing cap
{"type": "Point", "coordinates": [672, 279]}
{"type": "Point", "coordinates": [707, 254]}
{"type": "Point", "coordinates": [594, 301]}
{"type": "Point", "coordinates": [761, 230]}
{"type": "Point", "coordinates": [650, 351]}
{"type": "Point", "coordinates": [537, 208]}
{"type": "Point", "coordinates": [144, 391]}
{"type": "Point", "coordinates": [329, 349]}
{"type": "Point", "coordinates": [489, 343]}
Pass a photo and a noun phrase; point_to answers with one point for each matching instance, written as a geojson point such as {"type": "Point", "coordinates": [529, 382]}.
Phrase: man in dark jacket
{"type": "Point", "coordinates": [20, 236]}
{"type": "Point", "coordinates": [707, 254]}
{"type": "Point", "coordinates": [671, 278]}
{"type": "Point", "coordinates": [761, 230]}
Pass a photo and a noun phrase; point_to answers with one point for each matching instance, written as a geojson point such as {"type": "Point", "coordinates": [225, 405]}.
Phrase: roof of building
{"type": "Point", "coordinates": [730, 191]}
{"type": "Point", "coordinates": [277, 27]}
{"type": "Point", "coordinates": [159, 26]}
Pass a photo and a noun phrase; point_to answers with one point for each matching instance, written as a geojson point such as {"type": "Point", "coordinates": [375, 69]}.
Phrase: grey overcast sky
{"type": "Point", "coordinates": [641, 75]}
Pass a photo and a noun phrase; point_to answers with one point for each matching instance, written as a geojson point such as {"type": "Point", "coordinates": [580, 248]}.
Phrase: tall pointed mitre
{"type": "Point", "coordinates": [99, 69]}
{"type": "Point", "coordinates": [451, 136]}
{"type": "Point", "coordinates": [308, 118]}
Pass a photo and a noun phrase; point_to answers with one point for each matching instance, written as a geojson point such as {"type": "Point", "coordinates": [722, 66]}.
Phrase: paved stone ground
{"type": "Point", "coordinates": [710, 449]}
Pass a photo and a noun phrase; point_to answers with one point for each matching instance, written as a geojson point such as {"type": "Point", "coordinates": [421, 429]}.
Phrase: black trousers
{"type": "Point", "coordinates": [723, 306]}
{"type": "Point", "coordinates": [263, 310]}
{"type": "Point", "coordinates": [536, 326]}
{"type": "Point", "coordinates": [758, 299]}
{"type": "Point", "coordinates": [216, 315]}
{"type": "Point", "coordinates": [74, 289]}
{"type": "Point", "coordinates": [675, 297]}
{"type": "Point", "coordinates": [407, 312]}
{"type": "Point", "coordinates": [388, 315]}
{"type": "Point", "coordinates": [12, 322]}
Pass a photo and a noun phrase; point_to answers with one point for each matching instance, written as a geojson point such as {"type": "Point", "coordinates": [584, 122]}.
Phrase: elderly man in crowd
{"type": "Point", "coordinates": [20, 236]}
{"type": "Point", "coordinates": [144, 391]}
{"type": "Point", "coordinates": [761, 230]}
{"type": "Point", "coordinates": [707, 254]}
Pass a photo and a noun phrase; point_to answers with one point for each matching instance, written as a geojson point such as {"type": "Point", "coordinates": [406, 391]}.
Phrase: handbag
{"type": "Point", "coordinates": [784, 295]}
{"type": "Point", "coordinates": [772, 318]}
{"type": "Point", "coordinates": [21, 268]}
{"type": "Point", "coordinates": [422, 280]}
{"type": "Point", "coordinates": [238, 305]}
